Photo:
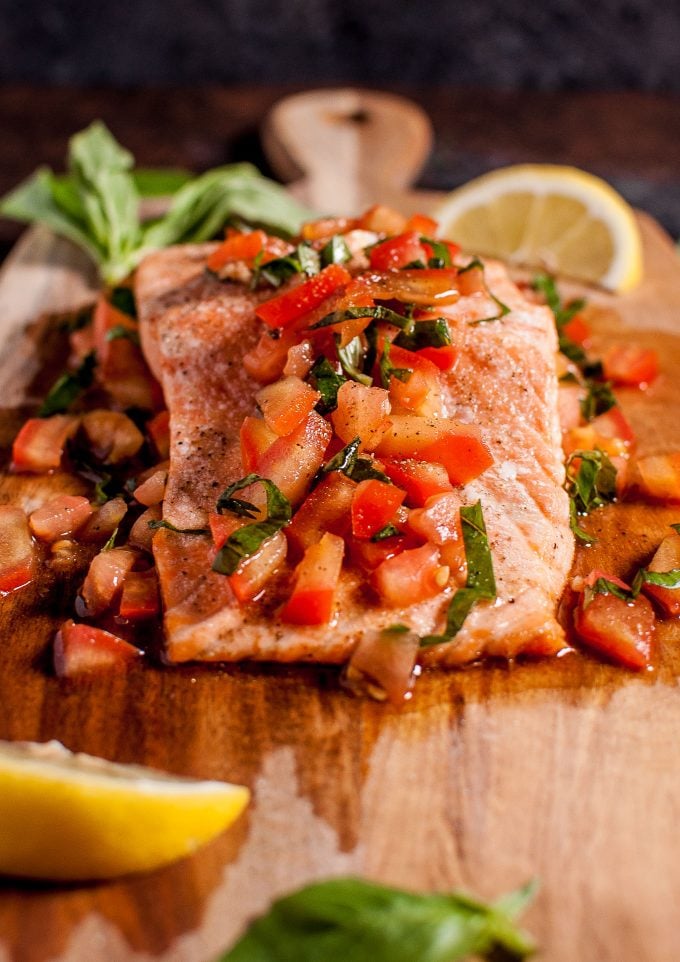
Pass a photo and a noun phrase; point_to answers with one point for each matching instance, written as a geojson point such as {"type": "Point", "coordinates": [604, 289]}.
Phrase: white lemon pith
{"type": "Point", "coordinates": [546, 216]}
{"type": "Point", "coordinates": [67, 816]}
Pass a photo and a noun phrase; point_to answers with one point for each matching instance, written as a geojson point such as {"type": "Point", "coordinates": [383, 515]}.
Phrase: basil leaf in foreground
{"type": "Point", "coordinates": [67, 388]}
{"type": "Point", "coordinates": [590, 486]}
{"type": "Point", "coordinates": [245, 541]}
{"type": "Point", "coordinates": [378, 313]}
{"type": "Point", "coordinates": [344, 460]}
{"type": "Point", "coordinates": [480, 584]}
{"type": "Point", "coordinates": [388, 370]}
{"type": "Point", "coordinates": [430, 333]}
{"type": "Point", "coordinates": [364, 469]}
{"type": "Point", "coordinates": [327, 382]}
{"type": "Point", "coordinates": [351, 920]}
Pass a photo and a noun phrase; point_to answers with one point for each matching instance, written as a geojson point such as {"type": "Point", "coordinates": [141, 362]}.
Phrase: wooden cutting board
{"type": "Point", "coordinates": [566, 771]}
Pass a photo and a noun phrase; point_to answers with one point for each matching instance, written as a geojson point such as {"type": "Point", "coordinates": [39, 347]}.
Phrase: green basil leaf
{"type": "Point", "coordinates": [389, 531]}
{"type": "Point", "coordinates": [475, 264]}
{"type": "Point", "coordinates": [503, 310]}
{"type": "Point", "coordinates": [159, 181]}
{"type": "Point", "coordinates": [345, 460]}
{"type": "Point", "coordinates": [327, 382]}
{"type": "Point", "coordinates": [278, 505]}
{"type": "Point", "coordinates": [155, 525]}
{"type": "Point", "coordinates": [245, 541]}
{"type": "Point", "coordinates": [388, 370]}
{"type": "Point", "coordinates": [68, 388]}
{"type": "Point", "coordinates": [663, 579]}
{"type": "Point", "coordinates": [351, 920]}
{"type": "Point", "coordinates": [123, 299]}
{"type": "Point", "coordinates": [120, 332]}
{"type": "Point", "coordinates": [576, 528]}
{"type": "Point", "coordinates": [364, 470]}
{"type": "Point", "coordinates": [441, 255]}
{"type": "Point", "coordinates": [378, 313]}
{"type": "Point", "coordinates": [242, 544]}
{"type": "Point", "coordinates": [603, 586]}
{"type": "Point", "coordinates": [429, 333]}
{"type": "Point", "coordinates": [335, 251]}
{"type": "Point", "coordinates": [111, 542]}
{"type": "Point", "coordinates": [598, 400]}
{"type": "Point", "coordinates": [676, 527]}
{"type": "Point", "coordinates": [352, 357]}
{"type": "Point", "coordinates": [594, 483]}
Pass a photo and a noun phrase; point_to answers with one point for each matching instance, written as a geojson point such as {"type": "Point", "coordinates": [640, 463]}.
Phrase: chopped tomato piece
{"type": "Point", "coordinates": [159, 431]}
{"type": "Point", "coordinates": [458, 447]}
{"type": "Point", "coordinates": [420, 479]}
{"type": "Point", "coordinates": [413, 286]}
{"type": "Point", "coordinates": [265, 362]}
{"type": "Point", "coordinates": [237, 247]}
{"type": "Point", "coordinates": [445, 357]}
{"type": "Point", "coordinates": [103, 521]}
{"type": "Point", "coordinates": [292, 461]}
{"type": "Point", "coordinates": [315, 230]}
{"type": "Point", "coordinates": [222, 526]}
{"type": "Point", "coordinates": [472, 281]}
{"type": "Point", "coordinates": [285, 404]}
{"type": "Point", "coordinates": [577, 330]}
{"type": "Point", "coordinates": [630, 364]}
{"type": "Point", "coordinates": [421, 391]}
{"type": "Point", "coordinates": [17, 551]}
{"type": "Point", "coordinates": [439, 521]}
{"type": "Point", "coordinates": [152, 490]}
{"type": "Point", "coordinates": [254, 572]}
{"type": "Point", "coordinates": [569, 406]}
{"type": "Point", "coordinates": [621, 630]}
{"type": "Point", "coordinates": [316, 580]}
{"type": "Point", "coordinates": [85, 650]}
{"type": "Point", "coordinates": [383, 663]}
{"type": "Point", "coordinates": [410, 577]}
{"type": "Point", "coordinates": [361, 412]}
{"type": "Point", "coordinates": [423, 225]}
{"type": "Point", "coordinates": [104, 580]}
{"type": "Point", "coordinates": [373, 507]}
{"type": "Point", "coordinates": [327, 508]}
{"type": "Point", "coordinates": [288, 307]}
{"type": "Point", "coordinates": [396, 252]}
{"type": "Point", "coordinates": [382, 220]}
{"type": "Point", "coordinates": [369, 555]}
{"type": "Point", "coordinates": [255, 437]}
{"type": "Point", "coordinates": [111, 436]}
{"type": "Point", "coordinates": [141, 534]}
{"type": "Point", "coordinates": [299, 360]}
{"type": "Point", "coordinates": [121, 368]}
{"type": "Point", "coordinates": [39, 445]}
{"type": "Point", "coordinates": [666, 558]}
{"type": "Point", "coordinates": [614, 424]}
{"type": "Point", "coordinates": [660, 476]}
{"type": "Point", "coordinates": [61, 516]}
{"type": "Point", "coordinates": [140, 599]}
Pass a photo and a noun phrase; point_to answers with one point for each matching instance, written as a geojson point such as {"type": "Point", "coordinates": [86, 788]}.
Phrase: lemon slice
{"type": "Point", "coordinates": [74, 816]}
{"type": "Point", "coordinates": [559, 219]}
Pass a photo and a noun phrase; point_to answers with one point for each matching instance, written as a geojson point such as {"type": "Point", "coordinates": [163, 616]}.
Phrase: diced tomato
{"type": "Point", "coordinates": [81, 650]}
{"type": "Point", "coordinates": [140, 599]}
{"type": "Point", "coordinates": [660, 476]}
{"type": "Point", "coordinates": [420, 479]}
{"type": "Point", "coordinates": [385, 659]}
{"type": "Point", "coordinates": [121, 368]}
{"type": "Point", "coordinates": [439, 521]}
{"type": "Point", "coordinates": [577, 330]}
{"type": "Point", "coordinates": [237, 247]}
{"type": "Point", "coordinates": [61, 516]}
{"type": "Point", "coordinates": [255, 438]}
{"type": "Point", "coordinates": [286, 308]}
{"type": "Point", "coordinates": [299, 360]}
{"type": "Point", "coordinates": [382, 220]}
{"type": "Point", "coordinates": [316, 580]}
{"type": "Point", "coordinates": [472, 281]}
{"type": "Point", "coordinates": [17, 551]}
{"type": "Point", "coordinates": [152, 490]}
{"type": "Point", "coordinates": [396, 252]}
{"type": "Point", "coordinates": [327, 508]}
{"type": "Point", "coordinates": [445, 357]}
{"type": "Point", "coordinates": [458, 447]}
{"type": "Point", "coordinates": [285, 404]}
{"type": "Point", "coordinates": [141, 534]}
{"type": "Point", "coordinates": [103, 521]}
{"type": "Point", "coordinates": [254, 572]}
{"type": "Point", "coordinates": [361, 412]}
{"type": "Point", "coordinates": [413, 286]}
{"type": "Point", "coordinates": [621, 630]}
{"type": "Point", "coordinates": [222, 526]}
{"type": "Point", "coordinates": [614, 424]}
{"type": "Point", "coordinates": [410, 577]}
{"type": "Point", "coordinates": [569, 406]}
{"type": "Point", "coordinates": [421, 391]}
{"type": "Point", "coordinates": [158, 429]}
{"type": "Point", "coordinates": [104, 580]}
{"type": "Point", "coordinates": [325, 227]}
{"type": "Point", "coordinates": [373, 507]}
{"type": "Point", "coordinates": [111, 436]}
{"type": "Point", "coordinates": [369, 555]}
{"type": "Point", "coordinates": [292, 461]}
{"type": "Point", "coordinates": [666, 558]}
{"type": "Point", "coordinates": [630, 364]}
{"type": "Point", "coordinates": [106, 318]}
{"type": "Point", "coordinates": [82, 342]}
{"type": "Point", "coordinates": [265, 362]}
{"type": "Point", "coordinates": [423, 224]}
{"type": "Point", "coordinates": [39, 445]}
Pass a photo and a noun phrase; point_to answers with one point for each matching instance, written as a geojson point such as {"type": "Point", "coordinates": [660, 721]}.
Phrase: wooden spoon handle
{"type": "Point", "coordinates": [351, 147]}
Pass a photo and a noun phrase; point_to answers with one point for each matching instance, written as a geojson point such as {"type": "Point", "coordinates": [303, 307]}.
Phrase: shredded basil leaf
{"type": "Point", "coordinates": [327, 382]}
{"type": "Point", "coordinates": [598, 400]}
{"type": "Point", "coordinates": [303, 260]}
{"type": "Point", "coordinates": [503, 310]}
{"type": "Point", "coordinates": [111, 542]}
{"type": "Point", "coordinates": [352, 920]}
{"type": "Point", "coordinates": [676, 527]}
{"type": "Point", "coordinates": [123, 299]}
{"type": "Point", "coordinates": [335, 251]}
{"type": "Point", "coordinates": [389, 531]}
{"type": "Point", "coordinates": [388, 370]}
{"type": "Point", "coordinates": [154, 525]}
{"type": "Point", "coordinates": [364, 470]}
{"type": "Point", "coordinates": [441, 255]}
{"type": "Point", "coordinates": [475, 264]}
{"type": "Point", "coordinates": [245, 541]}
{"type": "Point", "coordinates": [68, 388]}
{"type": "Point", "coordinates": [278, 506]}
{"type": "Point", "coordinates": [433, 332]}
{"type": "Point", "coordinates": [345, 460]}
{"type": "Point", "coordinates": [352, 357]}
{"type": "Point", "coordinates": [593, 485]}
{"type": "Point", "coordinates": [378, 313]}
{"type": "Point", "coordinates": [119, 331]}
{"type": "Point", "coordinates": [545, 285]}
{"type": "Point", "coordinates": [480, 584]}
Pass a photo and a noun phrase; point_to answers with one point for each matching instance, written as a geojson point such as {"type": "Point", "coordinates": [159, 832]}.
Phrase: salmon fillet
{"type": "Point", "coordinates": [195, 332]}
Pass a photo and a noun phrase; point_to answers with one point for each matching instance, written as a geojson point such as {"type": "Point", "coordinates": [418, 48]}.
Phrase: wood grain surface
{"type": "Point", "coordinates": [566, 771]}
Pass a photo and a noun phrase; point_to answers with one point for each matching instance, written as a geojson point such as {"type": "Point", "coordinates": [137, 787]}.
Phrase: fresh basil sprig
{"type": "Point", "coordinates": [120, 332]}
{"type": "Point", "coordinates": [351, 920]}
{"type": "Point", "coordinates": [96, 205]}
{"type": "Point", "coordinates": [245, 541]}
{"type": "Point", "coordinates": [480, 584]}
{"type": "Point", "coordinates": [441, 255]}
{"type": "Point", "coordinates": [344, 460]}
{"type": "Point", "coordinates": [67, 388]}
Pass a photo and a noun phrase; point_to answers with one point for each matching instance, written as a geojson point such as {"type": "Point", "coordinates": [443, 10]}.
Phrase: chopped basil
{"type": "Point", "coordinates": [327, 382]}
{"type": "Point", "coordinates": [352, 357]}
{"type": "Point", "coordinates": [676, 528]}
{"type": "Point", "coordinates": [545, 285]}
{"type": "Point", "coordinates": [245, 541]}
{"type": "Point", "coordinates": [335, 251]}
{"type": "Point", "coordinates": [388, 370]}
{"type": "Point", "coordinates": [663, 579]}
{"type": "Point", "coordinates": [475, 264]}
{"type": "Point", "coordinates": [593, 485]}
{"type": "Point", "coordinates": [441, 255]}
{"type": "Point", "coordinates": [503, 309]}
{"type": "Point", "coordinates": [303, 260]}
{"type": "Point", "coordinates": [68, 388]}
{"type": "Point", "coordinates": [389, 531]}
{"type": "Point", "coordinates": [598, 400]}
{"type": "Point", "coordinates": [123, 299]}
{"type": "Point", "coordinates": [345, 460]}
{"type": "Point", "coordinates": [154, 525]}
{"type": "Point", "coordinates": [433, 332]}
{"type": "Point", "coordinates": [111, 542]}
{"type": "Point", "coordinates": [417, 265]}
{"type": "Point", "coordinates": [351, 919]}
{"type": "Point", "coordinates": [364, 470]}
{"type": "Point", "coordinates": [119, 331]}
{"type": "Point", "coordinates": [378, 313]}
{"type": "Point", "coordinates": [603, 586]}
{"type": "Point", "coordinates": [480, 584]}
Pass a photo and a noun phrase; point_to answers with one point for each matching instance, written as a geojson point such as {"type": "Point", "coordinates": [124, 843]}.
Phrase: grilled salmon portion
{"type": "Point", "coordinates": [195, 333]}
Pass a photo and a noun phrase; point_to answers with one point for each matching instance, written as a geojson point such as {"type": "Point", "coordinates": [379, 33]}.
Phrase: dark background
{"type": "Point", "coordinates": [529, 44]}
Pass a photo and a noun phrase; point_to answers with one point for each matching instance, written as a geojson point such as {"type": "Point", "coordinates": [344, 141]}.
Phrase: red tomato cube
{"type": "Point", "coordinates": [139, 600]}
{"type": "Point", "coordinates": [420, 479]}
{"type": "Point", "coordinates": [39, 445]}
{"type": "Point", "coordinates": [104, 580]}
{"type": "Point", "coordinates": [17, 551]}
{"type": "Point", "coordinates": [254, 572]}
{"type": "Point", "coordinates": [666, 558]}
{"type": "Point", "coordinates": [373, 507]}
{"type": "Point", "coordinates": [396, 252]}
{"type": "Point", "coordinates": [412, 576]}
{"type": "Point", "coordinates": [660, 476]}
{"type": "Point", "coordinates": [316, 580]}
{"type": "Point", "coordinates": [285, 404]}
{"type": "Point", "coordinates": [621, 630]}
{"type": "Point", "coordinates": [361, 412]}
{"type": "Point", "coordinates": [82, 650]}
{"type": "Point", "coordinates": [630, 364]}
{"type": "Point", "coordinates": [327, 508]}
{"type": "Point", "coordinates": [61, 516]}
{"type": "Point", "coordinates": [292, 461]}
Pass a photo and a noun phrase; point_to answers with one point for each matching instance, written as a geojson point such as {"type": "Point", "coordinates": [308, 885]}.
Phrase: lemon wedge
{"type": "Point", "coordinates": [554, 218]}
{"type": "Point", "coordinates": [67, 816]}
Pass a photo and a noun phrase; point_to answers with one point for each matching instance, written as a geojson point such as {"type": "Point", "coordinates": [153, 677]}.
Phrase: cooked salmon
{"type": "Point", "coordinates": [195, 333]}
